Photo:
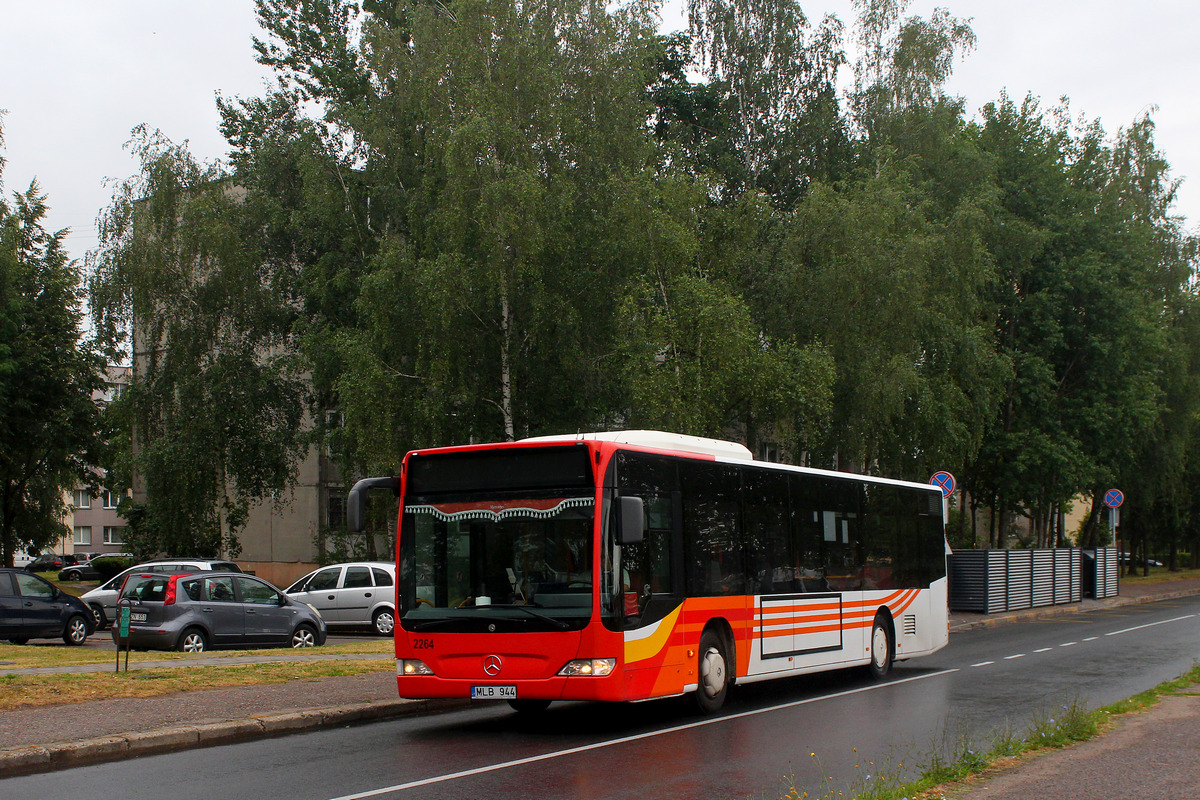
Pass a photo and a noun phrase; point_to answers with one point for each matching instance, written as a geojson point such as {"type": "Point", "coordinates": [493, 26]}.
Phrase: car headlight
{"type": "Point", "coordinates": [592, 667]}
{"type": "Point", "coordinates": [412, 666]}
{"type": "Point", "coordinates": [316, 610]}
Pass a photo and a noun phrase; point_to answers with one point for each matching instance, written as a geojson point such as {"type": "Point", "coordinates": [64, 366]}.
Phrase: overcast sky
{"type": "Point", "coordinates": [77, 75]}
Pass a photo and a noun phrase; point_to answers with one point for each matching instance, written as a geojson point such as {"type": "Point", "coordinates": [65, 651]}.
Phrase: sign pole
{"type": "Point", "coordinates": [1113, 498]}
{"type": "Point", "coordinates": [124, 609]}
{"type": "Point", "coordinates": [945, 481]}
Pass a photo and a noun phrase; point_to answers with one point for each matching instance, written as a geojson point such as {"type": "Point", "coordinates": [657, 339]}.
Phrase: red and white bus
{"type": "Point", "coordinates": [638, 564]}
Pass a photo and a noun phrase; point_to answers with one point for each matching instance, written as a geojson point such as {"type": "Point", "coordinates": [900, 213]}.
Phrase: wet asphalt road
{"type": "Point", "coordinates": [821, 733]}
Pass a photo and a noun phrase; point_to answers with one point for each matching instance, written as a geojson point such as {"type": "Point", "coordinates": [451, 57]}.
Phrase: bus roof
{"type": "Point", "coordinates": [660, 440]}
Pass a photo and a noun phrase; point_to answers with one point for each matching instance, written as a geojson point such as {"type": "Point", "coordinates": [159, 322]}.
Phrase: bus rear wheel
{"type": "Point", "coordinates": [881, 647]}
{"type": "Point", "coordinates": [713, 673]}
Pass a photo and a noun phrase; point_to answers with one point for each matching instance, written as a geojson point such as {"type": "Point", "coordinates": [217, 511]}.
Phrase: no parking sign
{"type": "Point", "coordinates": [1113, 498]}
{"type": "Point", "coordinates": [944, 481]}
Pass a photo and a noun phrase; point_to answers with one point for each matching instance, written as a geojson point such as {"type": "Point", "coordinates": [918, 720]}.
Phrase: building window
{"type": "Point", "coordinates": [83, 535]}
{"type": "Point", "coordinates": [110, 500]}
{"type": "Point", "coordinates": [336, 510]}
{"type": "Point", "coordinates": [81, 499]}
{"type": "Point", "coordinates": [114, 534]}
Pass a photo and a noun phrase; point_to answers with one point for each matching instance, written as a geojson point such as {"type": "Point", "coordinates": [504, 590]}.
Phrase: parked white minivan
{"type": "Point", "coordinates": [351, 595]}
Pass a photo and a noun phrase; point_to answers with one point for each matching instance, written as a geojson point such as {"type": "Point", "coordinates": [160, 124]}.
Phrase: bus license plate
{"type": "Point", "coordinates": [493, 692]}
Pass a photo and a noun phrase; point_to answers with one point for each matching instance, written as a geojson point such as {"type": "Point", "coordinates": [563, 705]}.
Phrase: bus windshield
{"type": "Point", "coordinates": [511, 563]}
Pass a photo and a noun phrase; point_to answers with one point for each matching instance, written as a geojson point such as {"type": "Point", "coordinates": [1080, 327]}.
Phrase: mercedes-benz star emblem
{"type": "Point", "coordinates": [491, 665]}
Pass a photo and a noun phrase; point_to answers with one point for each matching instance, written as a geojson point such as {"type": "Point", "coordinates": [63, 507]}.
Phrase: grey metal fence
{"type": "Point", "coordinates": [1008, 580]}
{"type": "Point", "coordinates": [1102, 571]}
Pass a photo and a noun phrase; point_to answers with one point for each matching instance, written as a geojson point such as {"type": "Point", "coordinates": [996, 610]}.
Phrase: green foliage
{"type": "Point", "coordinates": [217, 395]}
{"type": "Point", "coordinates": [1088, 278]}
{"type": "Point", "coordinates": [774, 77]}
{"type": "Point", "coordinates": [48, 372]}
{"type": "Point", "coordinates": [481, 220]}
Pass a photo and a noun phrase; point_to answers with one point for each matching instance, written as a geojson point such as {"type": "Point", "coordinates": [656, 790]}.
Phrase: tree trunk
{"type": "Point", "coordinates": [506, 380]}
{"type": "Point", "coordinates": [1001, 524]}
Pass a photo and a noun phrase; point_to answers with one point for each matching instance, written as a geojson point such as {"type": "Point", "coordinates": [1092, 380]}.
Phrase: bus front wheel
{"type": "Point", "coordinates": [713, 673]}
{"type": "Point", "coordinates": [881, 647]}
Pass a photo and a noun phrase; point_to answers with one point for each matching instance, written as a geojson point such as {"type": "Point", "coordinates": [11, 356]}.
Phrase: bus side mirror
{"type": "Point", "coordinates": [631, 522]}
{"type": "Point", "coordinates": [356, 502]}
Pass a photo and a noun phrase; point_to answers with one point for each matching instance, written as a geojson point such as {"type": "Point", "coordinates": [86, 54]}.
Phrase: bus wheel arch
{"type": "Point", "coordinates": [882, 644]}
{"type": "Point", "coordinates": [716, 667]}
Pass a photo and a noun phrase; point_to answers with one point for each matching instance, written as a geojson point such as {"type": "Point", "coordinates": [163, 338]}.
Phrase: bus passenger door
{"type": "Point", "coordinates": [653, 602]}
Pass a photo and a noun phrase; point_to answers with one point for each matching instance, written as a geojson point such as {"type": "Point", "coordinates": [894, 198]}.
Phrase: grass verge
{"type": "Point", "coordinates": [1159, 575]}
{"type": "Point", "coordinates": [24, 691]}
{"type": "Point", "coordinates": [945, 774]}
{"type": "Point", "coordinates": [52, 653]}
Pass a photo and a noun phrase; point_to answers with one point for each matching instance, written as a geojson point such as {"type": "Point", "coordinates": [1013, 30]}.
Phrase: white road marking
{"type": "Point", "coordinates": [400, 787]}
{"type": "Point", "coordinates": [984, 664]}
{"type": "Point", "coordinates": [1150, 625]}
{"type": "Point", "coordinates": [1018, 655]}
{"type": "Point", "coordinates": [1068, 644]}
{"type": "Point", "coordinates": [1044, 650]}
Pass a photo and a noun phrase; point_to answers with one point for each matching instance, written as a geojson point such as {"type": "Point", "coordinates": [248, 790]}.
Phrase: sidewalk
{"type": "Point", "coordinates": [1151, 755]}
{"type": "Point", "coordinates": [56, 737]}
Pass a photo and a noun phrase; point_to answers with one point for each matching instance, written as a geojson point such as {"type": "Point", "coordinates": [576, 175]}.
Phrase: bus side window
{"type": "Point", "coordinates": [646, 566]}
{"type": "Point", "coordinates": [765, 509]}
{"type": "Point", "coordinates": [713, 543]}
{"type": "Point", "coordinates": [807, 545]}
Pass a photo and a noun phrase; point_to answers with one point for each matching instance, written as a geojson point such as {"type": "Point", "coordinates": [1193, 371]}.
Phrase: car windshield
{"type": "Point", "coordinates": [522, 561]}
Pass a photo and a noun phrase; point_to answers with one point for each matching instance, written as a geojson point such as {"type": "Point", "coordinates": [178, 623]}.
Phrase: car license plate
{"type": "Point", "coordinates": [493, 693]}
{"type": "Point", "coordinates": [136, 617]}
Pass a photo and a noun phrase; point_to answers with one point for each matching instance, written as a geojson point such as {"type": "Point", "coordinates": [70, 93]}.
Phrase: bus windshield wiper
{"type": "Point", "coordinates": [562, 626]}
{"type": "Point", "coordinates": [433, 623]}
{"type": "Point", "coordinates": [443, 621]}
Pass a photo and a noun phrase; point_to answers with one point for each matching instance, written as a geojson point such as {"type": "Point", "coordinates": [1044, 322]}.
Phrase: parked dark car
{"type": "Point", "coordinates": [33, 608]}
{"type": "Point", "coordinates": [46, 562]}
{"type": "Point", "coordinates": [98, 567]}
{"type": "Point", "coordinates": [203, 610]}
{"type": "Point", "coordinates": [81, 571]}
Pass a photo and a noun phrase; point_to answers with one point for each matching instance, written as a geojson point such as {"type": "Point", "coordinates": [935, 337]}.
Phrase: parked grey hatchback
{"type": "Point", "coordinates": [196, 612]}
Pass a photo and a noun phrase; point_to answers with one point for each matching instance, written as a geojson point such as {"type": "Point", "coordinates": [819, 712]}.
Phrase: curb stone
{"type": "Point", "coordinates": [62, 755]}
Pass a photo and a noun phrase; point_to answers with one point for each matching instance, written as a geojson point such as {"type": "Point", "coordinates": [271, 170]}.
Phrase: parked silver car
{"type": "Point", "coordinates": [103, 599]}
{"type": "Point", "coordinates": [202, 610]}
{"type": "Point", "coordinates": [351, 595]}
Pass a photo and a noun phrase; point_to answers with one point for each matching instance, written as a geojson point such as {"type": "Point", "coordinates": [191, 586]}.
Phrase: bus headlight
{"type": "Point", "coordinates": [411, 666]}
{"type": "Point", "coordinates": [594, 667]}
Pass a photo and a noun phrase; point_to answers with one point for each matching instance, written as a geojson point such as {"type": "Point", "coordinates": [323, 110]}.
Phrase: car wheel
{"type": "Point", "coordinates": [713, 673]}
{"type": "Point", "coordinates": [304, 636]}
{"type": "Point", "coordinates": [98, 616]}
{"type": "Point", "coordinates": [76, 631]}
{"type": "Point", "coordinates": [384, 622]}
{"type": "Point", "coordinates": [881, 647]}
{"type": "Point", "coordinates": [192, 641]}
